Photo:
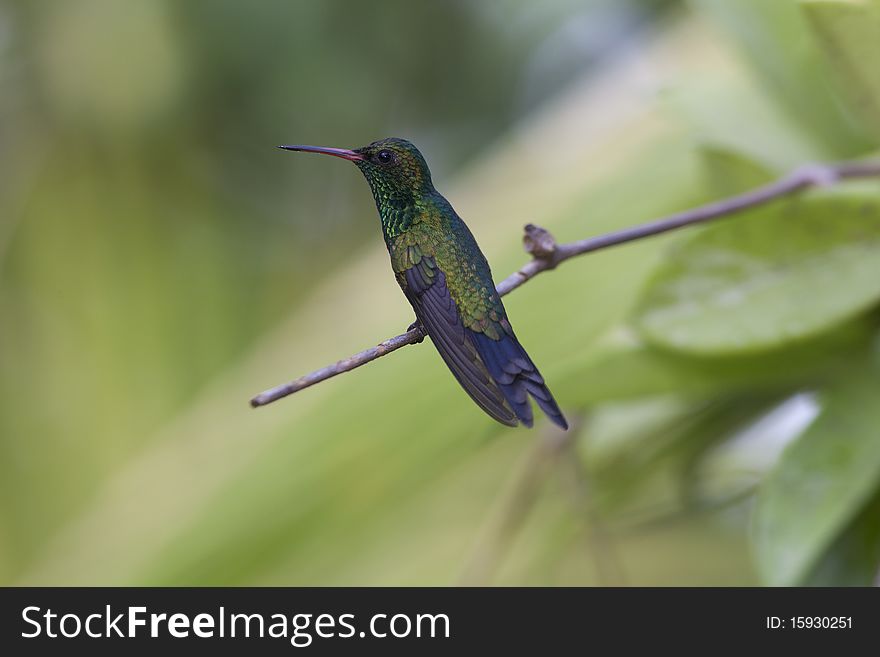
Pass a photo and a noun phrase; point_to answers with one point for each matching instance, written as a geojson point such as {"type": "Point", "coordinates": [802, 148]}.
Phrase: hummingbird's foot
{"type": "Point", "coordinates": [417, 325]}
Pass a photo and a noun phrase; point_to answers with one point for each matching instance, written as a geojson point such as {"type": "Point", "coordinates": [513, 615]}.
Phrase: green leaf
{"type": "Point", "coordinates": [775, 39]}
{"type": "Point", "coordinates": [728, 113]}
{"type": "Point", "coordinates": [848, 33]}
{"type": "Point", "coordinates": [822, 481]}
{"type": "Point", "coordinates": [770, 277]}
{"type": "Point", "coordinates": [852, 559]}
{"type": "Point", "coordinates": [660, 457]}
{"type": "Point", "coordinates": [730, 172]}
{"type": "Point", "coordinates": [633, 371]}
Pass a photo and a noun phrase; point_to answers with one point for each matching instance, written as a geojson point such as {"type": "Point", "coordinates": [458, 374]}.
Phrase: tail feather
{"type": "Point", "coordinates": [537, 391]}
{"type": "Point", "coordinates": [517, 377]}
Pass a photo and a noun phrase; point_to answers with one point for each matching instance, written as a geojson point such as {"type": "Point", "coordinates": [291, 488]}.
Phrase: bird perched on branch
{"type": "Point", "coordinates": [446, 278]}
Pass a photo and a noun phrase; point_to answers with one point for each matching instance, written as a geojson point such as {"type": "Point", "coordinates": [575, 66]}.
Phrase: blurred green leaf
{"type": "Point", "coordinates": [852, 559]}
{"type": "Point", "coordinates": [729, 116]}
{"type": "Point", "coordinates": [848, 33]}
{"type": "Point", "coordinates": [731, 172]}
{"type": "Point", "coordinates": [635, 370]}
{"type": "Point", "coordinates": [771, 276]}
{"type": "Point", "coordinates": [660, 462]}
{"type": "Point", "coordinates": [774, 38]}
{"type": "Point", "coordinates": [822, 481]}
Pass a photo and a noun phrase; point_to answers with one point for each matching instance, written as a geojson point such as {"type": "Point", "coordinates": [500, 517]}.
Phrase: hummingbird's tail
{"type": "Point", "coordinates": [517, 377]}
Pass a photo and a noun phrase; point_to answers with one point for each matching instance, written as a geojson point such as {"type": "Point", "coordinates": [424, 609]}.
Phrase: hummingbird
{"type": "Point", "coordinates": [447, 280]}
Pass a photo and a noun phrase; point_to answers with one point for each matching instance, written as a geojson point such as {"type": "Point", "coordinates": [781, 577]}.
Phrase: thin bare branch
{"type": "Point", "coordinates": [547, 254]}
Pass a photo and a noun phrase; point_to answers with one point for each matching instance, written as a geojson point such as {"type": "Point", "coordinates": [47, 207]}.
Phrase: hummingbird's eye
{"type": "Point", "coordinates": [384, 156]}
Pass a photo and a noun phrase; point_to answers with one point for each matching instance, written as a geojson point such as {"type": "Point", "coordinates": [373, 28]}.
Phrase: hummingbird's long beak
{"type": "Point", "coordinates": [344, 153]}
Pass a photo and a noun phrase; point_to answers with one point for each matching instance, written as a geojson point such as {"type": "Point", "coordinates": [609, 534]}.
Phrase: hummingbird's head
{"type": "Point", "coordinates": [394, 167]}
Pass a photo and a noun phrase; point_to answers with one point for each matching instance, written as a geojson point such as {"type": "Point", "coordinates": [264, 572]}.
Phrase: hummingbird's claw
{"type": "Point", "coordinates": [417, 325]}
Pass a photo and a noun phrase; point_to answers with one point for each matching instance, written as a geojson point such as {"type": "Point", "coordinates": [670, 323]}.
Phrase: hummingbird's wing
{"type": "Point", "coordinates": [425, 286]}
{"type": "Point", "coordinates": [515, 373]}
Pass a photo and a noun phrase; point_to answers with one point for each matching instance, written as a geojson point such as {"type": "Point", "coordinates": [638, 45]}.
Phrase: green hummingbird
{"type": "Point", "coordinates": [447, 280]}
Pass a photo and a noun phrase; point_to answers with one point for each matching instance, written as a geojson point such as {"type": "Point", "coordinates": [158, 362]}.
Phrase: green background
{"type": "Point", "coordinates": [161, 262]}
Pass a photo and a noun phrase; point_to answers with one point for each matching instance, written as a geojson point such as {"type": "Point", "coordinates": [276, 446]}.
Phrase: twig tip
{"type": "Point", "coordinates": [538, 242]}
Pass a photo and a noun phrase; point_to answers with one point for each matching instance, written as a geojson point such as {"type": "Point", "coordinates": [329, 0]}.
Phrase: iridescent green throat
{"type": "Point", "coordinates": [402, 194]}
{"type": "Point", "coordinates": [398, 214]}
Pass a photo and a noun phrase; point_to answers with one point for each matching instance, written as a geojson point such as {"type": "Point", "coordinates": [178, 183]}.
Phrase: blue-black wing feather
{"type": "Point", "coordinates": [517, 376]}
{"type": "Point", "coordinates": [425, 287]}
{"type": "Point", "coordinates": [497, 374]}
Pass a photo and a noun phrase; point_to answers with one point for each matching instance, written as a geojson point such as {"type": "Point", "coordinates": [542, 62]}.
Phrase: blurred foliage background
{"type": "Point", "coordinates": [161, 262]}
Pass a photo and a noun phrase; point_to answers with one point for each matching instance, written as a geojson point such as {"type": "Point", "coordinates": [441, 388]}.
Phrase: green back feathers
{"type": "Point", "coordinates": [418, 222]}
{"type": "Point", "coordinates": [448, 282]}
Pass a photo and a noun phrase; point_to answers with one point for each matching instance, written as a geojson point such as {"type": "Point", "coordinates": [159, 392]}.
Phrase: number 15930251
{"type": "Point", "coordinates": [809, 623]}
